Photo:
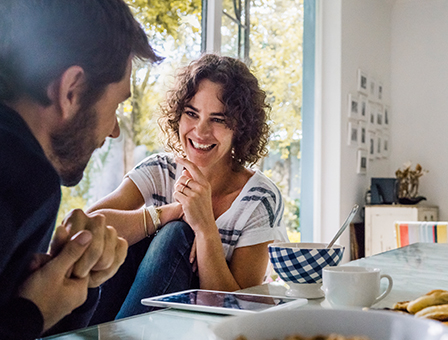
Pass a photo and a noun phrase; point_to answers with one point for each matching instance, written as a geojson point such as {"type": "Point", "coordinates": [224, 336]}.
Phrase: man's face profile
{"type": "Point", "coordinates": [73, 145]}
{"type": "Point", "coordinates": [75, 141]}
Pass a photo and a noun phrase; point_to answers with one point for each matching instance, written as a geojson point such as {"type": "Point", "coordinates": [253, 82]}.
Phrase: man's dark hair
{"type": "Point", "coordinates": [40, 39]}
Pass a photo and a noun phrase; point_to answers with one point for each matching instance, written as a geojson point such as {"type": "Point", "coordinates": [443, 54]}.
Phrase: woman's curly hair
{"type": "Point", "coordinates": [246, 110]}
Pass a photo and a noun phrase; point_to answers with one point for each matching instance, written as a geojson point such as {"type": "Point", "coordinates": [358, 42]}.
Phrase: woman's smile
{"type": "Point", "coordinates": [205, 136]}
{"type": "Point", "coordinates": [201, 147]}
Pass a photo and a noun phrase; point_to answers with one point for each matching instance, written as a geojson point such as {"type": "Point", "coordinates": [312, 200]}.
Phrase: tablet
{"type": "Point", "coordinates": [212, 301]}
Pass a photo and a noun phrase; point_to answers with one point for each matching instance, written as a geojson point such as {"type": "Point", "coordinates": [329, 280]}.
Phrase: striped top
{"type": "Point", "coordinates": [254, 217]}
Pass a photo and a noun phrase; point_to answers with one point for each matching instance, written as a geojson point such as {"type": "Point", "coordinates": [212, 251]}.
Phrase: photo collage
{"type": "Point", "coordinates": [368, 123]}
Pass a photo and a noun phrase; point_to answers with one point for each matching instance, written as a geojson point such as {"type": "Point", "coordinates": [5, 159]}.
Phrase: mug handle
{"type": "Point", "coordinates": [387, 291]}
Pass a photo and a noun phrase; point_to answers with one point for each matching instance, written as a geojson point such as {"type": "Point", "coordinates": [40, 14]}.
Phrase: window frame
{"type": "Point", "coordinates": [309, 193]}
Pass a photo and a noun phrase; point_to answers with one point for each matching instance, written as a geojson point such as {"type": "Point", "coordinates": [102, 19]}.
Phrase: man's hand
{"type": "Point", "coordinates": [52, 287]}
{"type": "Point", "coordinates": [105, 254]}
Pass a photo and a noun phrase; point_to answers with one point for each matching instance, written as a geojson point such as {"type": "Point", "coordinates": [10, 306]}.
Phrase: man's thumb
{"type": "Point", "coordinates": [73, 250]}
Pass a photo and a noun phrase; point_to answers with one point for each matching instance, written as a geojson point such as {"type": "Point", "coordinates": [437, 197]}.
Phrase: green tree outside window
{"type": "Point", "coordinates": [275, 56]}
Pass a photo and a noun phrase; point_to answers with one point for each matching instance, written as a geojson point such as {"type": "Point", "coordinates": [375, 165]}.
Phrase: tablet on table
{"type": "Point", "coordinates": [223, 302]}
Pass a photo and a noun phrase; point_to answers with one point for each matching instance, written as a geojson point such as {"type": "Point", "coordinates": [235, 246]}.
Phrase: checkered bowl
{"type": "Point", "coordinates": [302, 263]}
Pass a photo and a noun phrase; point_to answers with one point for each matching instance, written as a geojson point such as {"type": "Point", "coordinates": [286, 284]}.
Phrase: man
{"type": "Point", "coordinates": [64, 68]}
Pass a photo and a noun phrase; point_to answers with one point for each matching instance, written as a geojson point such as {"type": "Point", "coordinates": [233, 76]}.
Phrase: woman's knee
{"type": "Point", "coordinates": [167, 257]}
{"type": "Point", "coordinates": [175, 231]}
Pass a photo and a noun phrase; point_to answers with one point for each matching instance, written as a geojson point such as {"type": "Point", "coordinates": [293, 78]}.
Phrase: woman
{"type": "Point", "coordinates": [215, 120]}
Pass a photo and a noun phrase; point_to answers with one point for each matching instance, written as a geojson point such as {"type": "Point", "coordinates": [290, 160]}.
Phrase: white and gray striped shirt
{"type": "Point", "coordinates": [254, 217]}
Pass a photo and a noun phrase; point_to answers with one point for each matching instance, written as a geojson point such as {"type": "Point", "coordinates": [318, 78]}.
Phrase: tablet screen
{"type": "Point", "coordinates": [217, 301]}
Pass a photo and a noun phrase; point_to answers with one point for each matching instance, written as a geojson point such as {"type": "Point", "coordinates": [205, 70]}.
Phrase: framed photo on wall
{"type": "Point", "coordinates": [371, 144]}
{"type": "Point", "coordinates": [371, 116]}
{"type": "Point", "coordinates": [361, 167]}
{"type": "Point", "coordinates": [352, 133]}
{"type": "Point", "coordinates": [386, 146]}
{"type": "Point", "coordinates": [380, 91]}
{"type": "Point", "coordinates": [379, 114]}
{"type": "Point", "coordinates": [362, 107]}
{"type": "Point", "coordinates": [379, 145]}
{"type": "Point", "coordinates": [362, 134]}
{"type": "Point", "coordinates": [386, 111]}
{"type": "Point", "coordinates": [372, 88]}
{"type": "Point", "coordinates": [362, 82]}
{"type": "Point", "coordinates": [353, 106]}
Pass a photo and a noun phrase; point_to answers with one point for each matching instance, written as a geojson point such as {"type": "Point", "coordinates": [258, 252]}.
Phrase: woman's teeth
{"type": "Point", "coordinates": [204, 147]}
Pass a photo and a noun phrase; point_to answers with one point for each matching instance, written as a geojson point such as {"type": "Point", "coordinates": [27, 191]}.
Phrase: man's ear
{"type": "Point", "coordinates": [66, 92]}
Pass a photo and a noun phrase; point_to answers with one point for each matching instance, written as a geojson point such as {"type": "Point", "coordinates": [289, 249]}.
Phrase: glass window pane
{"type": "Point", "coordinates": [229, 37]}
{"type": "Point", "coordinates": [174, 30]}
{"type": "Point", "coordinates": [276, 57]}
{"type": "Point", "coordinates": [233, 28]}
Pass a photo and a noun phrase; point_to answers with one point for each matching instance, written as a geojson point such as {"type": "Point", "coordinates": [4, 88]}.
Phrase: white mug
{"type": "Point", "coordinates": [350, 286]}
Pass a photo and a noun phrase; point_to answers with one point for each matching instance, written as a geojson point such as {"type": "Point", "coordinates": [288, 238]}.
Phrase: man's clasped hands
{"type": "Point", "coordinates": [84, 253]}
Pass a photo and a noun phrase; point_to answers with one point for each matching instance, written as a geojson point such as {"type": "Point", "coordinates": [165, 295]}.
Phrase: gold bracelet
{"type": "Point", "coordinates": [155, 216]}
{"type": "Point", "coordinates": [144, 222]}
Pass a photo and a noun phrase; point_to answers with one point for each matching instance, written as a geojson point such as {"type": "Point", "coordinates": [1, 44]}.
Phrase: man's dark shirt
{"type": "Point", "coordinates": [29, 201]}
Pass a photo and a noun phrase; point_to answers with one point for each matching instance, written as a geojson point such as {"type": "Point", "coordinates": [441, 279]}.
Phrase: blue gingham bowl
{"type": "Point", "coordinates": [300, 266]}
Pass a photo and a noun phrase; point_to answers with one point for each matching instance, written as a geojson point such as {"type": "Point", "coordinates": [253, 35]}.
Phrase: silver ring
{"type": "Point", "coordinates": [182, 190]}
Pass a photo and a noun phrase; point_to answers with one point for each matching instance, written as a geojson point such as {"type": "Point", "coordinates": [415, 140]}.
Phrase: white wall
{"type": "Point", "coordinates": [355, 34]}
{"type": "Point", "coordinates": [419, 63]}
{"type": "Point", "coordinates": [328, 122]}
{"type": "Point", "coordinates": [403, 43]}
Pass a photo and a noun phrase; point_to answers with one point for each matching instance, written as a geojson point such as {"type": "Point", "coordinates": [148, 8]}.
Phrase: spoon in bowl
{"type": "Point", "coordinates": [346, 223]}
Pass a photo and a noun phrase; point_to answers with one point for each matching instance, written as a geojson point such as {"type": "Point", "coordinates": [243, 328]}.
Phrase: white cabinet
{"type": "Point", "coordinates": [380, 224]}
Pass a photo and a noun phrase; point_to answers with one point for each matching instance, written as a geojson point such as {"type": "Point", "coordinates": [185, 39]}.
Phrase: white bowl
{"type": "Point", "coordinates": [377, 325]}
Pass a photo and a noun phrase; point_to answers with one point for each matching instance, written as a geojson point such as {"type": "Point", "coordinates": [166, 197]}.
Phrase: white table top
{"type": "Point", "coordinates": [415, 269]}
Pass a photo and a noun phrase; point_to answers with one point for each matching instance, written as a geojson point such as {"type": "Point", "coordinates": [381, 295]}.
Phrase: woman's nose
{"type": "Point", "coordinates": [203, 127]}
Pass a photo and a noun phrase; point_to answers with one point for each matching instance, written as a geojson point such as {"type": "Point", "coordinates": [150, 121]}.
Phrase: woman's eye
{"type": "Point", "coordinates": [190, 113]}
{"type": "Point", "coordinates": [219, 120]}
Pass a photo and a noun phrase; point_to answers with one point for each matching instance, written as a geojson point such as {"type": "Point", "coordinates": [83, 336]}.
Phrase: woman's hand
{"type": "Point", "coordinates": [170, 212]}
{"type": "Point", "coordinates": [248, 264]}
{"type": "Point", "coordinates": [193, 259]}
{"type": "Point", "coordinates": [194, 192]}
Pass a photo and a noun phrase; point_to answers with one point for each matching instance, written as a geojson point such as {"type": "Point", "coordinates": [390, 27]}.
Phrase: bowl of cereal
{"type": "Point", "coordinates": [328, 324]}
{"type": "Point", "coordinates": [300, 266]}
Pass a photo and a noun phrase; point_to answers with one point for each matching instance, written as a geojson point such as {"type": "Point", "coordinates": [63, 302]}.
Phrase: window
{"type": "Point", "coordinates": [308, 122]}
{"type": "Point", "coordinates": [235, 28]}
{"type": "Point", "coordinates": [266, 34]}
{"type": "Point", "coordinates": [175, 31]}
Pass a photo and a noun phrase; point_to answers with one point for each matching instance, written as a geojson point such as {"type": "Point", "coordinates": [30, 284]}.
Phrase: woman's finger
{"type": "Point", "coordinates": [183, 181]}
{"type": "Point", "coordinates": [193, 252]}
{"type": "Point", "coordinates": [100, 276]}
{"type": "Point", "coordinates": [180, 188]}
{"type": "Point", "coordinates": [192, 169]}
{"type": "Point", "coordinates": [110, 243]}
{"type": "Point", "coordinates": [178, 197]}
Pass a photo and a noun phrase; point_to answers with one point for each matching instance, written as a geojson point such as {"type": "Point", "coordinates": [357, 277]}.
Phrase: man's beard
{"type": "Point", "coordinates": [73, 145]}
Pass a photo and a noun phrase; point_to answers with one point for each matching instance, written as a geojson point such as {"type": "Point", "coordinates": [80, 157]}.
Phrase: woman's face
{"type": "Point", "coordinates": [203, 132]}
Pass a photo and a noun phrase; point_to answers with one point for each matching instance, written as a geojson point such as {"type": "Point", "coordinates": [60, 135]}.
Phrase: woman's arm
{"type": "Point", "coordinates": [248, 265]}
{"type": "Point", "coordinates": [123, 211]}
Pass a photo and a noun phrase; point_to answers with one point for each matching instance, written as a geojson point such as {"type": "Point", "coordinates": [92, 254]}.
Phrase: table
{"type": "Point", "coordinates": [416, 269]}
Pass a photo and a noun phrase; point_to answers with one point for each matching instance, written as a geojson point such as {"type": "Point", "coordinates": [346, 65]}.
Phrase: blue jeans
{"type": "Point", "coordinates": [153, 266]}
